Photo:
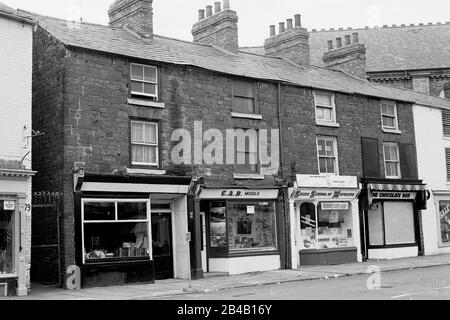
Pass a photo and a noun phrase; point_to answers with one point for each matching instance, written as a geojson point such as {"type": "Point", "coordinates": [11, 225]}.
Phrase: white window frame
{"type": "Point", "coordinates": [332, 107]}
{"type": "Point", "coordinates": [116, 220]}
{"type": "Point", "coordinates": [396, 145]}
{"type": "Point", "coordinates": [336, 154]}
{"type": "Point", "coordinates": [135, 93]}
{"type": "Point", "coordinates": [395, 128]}
{"type": "Point", "coordinates": [156, 164]}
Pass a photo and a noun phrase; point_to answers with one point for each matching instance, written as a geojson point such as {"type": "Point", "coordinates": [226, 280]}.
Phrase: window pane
{"type": "Point", "coordinates": [99, 211]}
{"type": "Point", "coordinates": [394, 153]}
{"type": "Point", "coordinates": [388, 122]}
{"type": "Point", "coordinates": [150, 74]}
{"type": "Point", "coordinates": [399, 223]}
{"type": "Point", "coordinates": [388, 109]}
{"type": "Point", "coordinates": [324, 100]}
{"type": "Point", "coordinates": [151, 133]}
{"type": "Point", "coordinates": [243, 105]}
{"type": "Point", "coordinates": [115, 241]}
{"type": "Point", "coordinates": [250, 231]}
{"type": "Point", "coordinates": [330, 148]}
{"type": "Point", "coordinates": [6, 240]}
{"type": "Point", "coordinates": [137, 72]}
{"type": "Point", "coordinates": [323, 165]}
{"type": "Point", "coordinates": [132, 211]}
{"type": "Point", "coordinates": [137, 86]}
{"type": "Point", "coordinates": [308, 226]}
{"type": "Point", "coordinates": [243, 89]}
{"type": "Point", "coordinates": [218, 225]}
{"type": "Point", "coordinates": [335, 225]}
{"type": "Point", "coordinates": [387, 153]}
{"type": "Point", "coordinates": [150, 88]}
{"type": "Point", "coordinates": [321, 147]}
{"type": "Point", "coordinates": [324, 114]}
{"type": "Point", "coordinates": [150, 154]}
{"type": "Point", "coordinates": [331, 165]}
{"type": "Point", "coordinates": [137, 132]}
{"type": "Point", "coordinates": [138, 153]}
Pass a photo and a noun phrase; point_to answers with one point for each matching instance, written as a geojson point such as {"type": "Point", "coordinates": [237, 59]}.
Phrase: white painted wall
{"type": "Point", "coordinates": [244, 265]}
{"type": "Point", "coordinates": [431, 144]}
{"type": "Point", "coordinates": [15, 89]}
{"type": "Point", "coordinates": [180, 227]}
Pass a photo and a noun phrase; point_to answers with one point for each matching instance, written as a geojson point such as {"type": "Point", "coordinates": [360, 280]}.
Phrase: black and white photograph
{"type": "Point", "coordinates": [223, 155]}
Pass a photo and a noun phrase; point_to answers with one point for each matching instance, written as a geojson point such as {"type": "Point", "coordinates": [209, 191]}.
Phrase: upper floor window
{"type": "Point", "coordinates": [247, 157]}
{"type": "Point", "coordinates": [328, 155]}
{"type": "Point", "coordinates": [144, 81]}
{"type": "Point", "coordinates": [446, 122]}
{"type": "Point", "coordinates": [144, 143]}
{"type": "Point", "coordinates": [244, 97]}
{"type": "Point", "coordinates": [325, 107]}
{"type": "Point", "coordinates": [389, 115]}
{"type": "Point", "coordinates": [392, 160]}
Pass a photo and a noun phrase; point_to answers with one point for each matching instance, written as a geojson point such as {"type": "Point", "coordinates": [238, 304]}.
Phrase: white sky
{"type": "Point", "coordinates": [174, 18]}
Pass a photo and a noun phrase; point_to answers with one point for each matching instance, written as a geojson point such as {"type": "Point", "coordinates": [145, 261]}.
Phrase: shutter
{"type": "Point", "coordinates": [371, 157]}
{"type": "Point", "coordinates": [408, 161]}
{"type": "Point", "coordinates": [447, 162]}
{"type": "Point", "coordinates": [446, 122]}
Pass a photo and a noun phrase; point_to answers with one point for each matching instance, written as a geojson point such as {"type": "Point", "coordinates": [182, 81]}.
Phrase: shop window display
{"type": "Point", "coordinates": [444, 222]}
{"type": "Point", "coordinates": [115, 230]}
{"type": "Point", "coordinates": [6, 240]}
{"type": "Point", "coordinates": [329, 225]}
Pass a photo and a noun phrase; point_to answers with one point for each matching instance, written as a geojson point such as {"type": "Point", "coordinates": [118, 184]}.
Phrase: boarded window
{"type": "Point", "coordinates": [446, 122]}
{"type": "Point", "coordinates": [408, 161]}
{"type": "Point", "coordinates": [370, 156]}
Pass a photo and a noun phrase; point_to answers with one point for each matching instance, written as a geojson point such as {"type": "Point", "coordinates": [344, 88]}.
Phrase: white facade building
{"type": "Point", "coordinates": [16, 29]}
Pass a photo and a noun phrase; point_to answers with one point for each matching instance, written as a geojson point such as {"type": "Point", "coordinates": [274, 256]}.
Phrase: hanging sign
{"type": "Point", "coordinates": [9, 205]}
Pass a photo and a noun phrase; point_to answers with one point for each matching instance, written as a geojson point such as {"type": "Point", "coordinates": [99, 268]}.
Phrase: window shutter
{"type": "Point", "coordinates": [447, 162]}
{"type": "Point", "coordinates": [408, 160]}
{"type": "Point", "coordinates": [370, 156]}
{"type": "Point", "coordinates": [446, 122]}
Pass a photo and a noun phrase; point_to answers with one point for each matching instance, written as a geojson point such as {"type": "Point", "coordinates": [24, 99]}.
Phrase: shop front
{"type": "Point", "coordinates": [241, 230]}
{"type": "Point", "coordinates": [131, 229]}
{"type": "Point", "coordinates": [15, 231]}
{"type": "Point", "coordinates": [324, 220]}
{"type": "Point", "coordinates": [391, 218]}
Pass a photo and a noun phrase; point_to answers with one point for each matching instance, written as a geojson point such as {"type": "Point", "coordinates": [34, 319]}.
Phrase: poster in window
{"type": "Point", "coordinates": [334, 217]}
{"type": "Point", "coordinates": [218, 227]}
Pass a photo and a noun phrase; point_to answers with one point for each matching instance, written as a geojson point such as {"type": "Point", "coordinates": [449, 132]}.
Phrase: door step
{"type": "Point", "coordinates": [215, 274]}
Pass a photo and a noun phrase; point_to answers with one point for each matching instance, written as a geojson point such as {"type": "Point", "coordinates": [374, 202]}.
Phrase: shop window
{"type": "Point", "coordinates": [6, 240]}
{"type": "Point", "coordinates": [327, 155]}
{"type": "Point", "coordinates": [391, 223]}
{"type": "Point", "coordinates": [391, 160]}
{"type": "Point", "coordinates": [115, 230]}
{"type": "Point", "coordinates": [330, 226]}
{"type": "Point", "coordinates": [218, 225]}
{"type": "Point", "coordinates": [244, 97]}
{"type": "Point", "coordinates": [446, 122]}
{"type": "Point", "coordinates": [144, 143]}
{"type": "Point", "coordinates": [444, 222]}
{"type": "Point", "coordinates": [144, 81]}
{"type": "Point", "coordinates": [325, 108]}
{"type": "Point", "coordinates": [389, 115]}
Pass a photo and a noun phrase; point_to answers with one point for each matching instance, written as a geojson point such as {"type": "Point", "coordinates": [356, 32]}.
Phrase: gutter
{"type": "Point", "coordinates": [17, 18]}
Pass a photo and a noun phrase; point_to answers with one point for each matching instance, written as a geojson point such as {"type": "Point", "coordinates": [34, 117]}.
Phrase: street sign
{"type": "Point", "coordinates": [188, 237]}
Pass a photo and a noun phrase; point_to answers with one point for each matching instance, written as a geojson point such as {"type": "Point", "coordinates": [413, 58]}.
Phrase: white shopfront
{"type": "Point", "coordinates": [324, 215]}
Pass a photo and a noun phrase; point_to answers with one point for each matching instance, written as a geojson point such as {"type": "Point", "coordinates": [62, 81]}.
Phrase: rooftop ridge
{"type": "Point", "coordinates": [393, 26]}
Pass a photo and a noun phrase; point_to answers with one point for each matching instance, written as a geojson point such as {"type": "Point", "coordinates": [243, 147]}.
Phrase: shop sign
{"type": "Point", "coordinates": [250, 209]}
{"type": "Point", "coordinates": [9, 205]}
{"type": "Point", "coordinates": [335, 206]}
{"type": "Point", "coordinates": [238, 194]}
{"type": "Point", "coordinates": [317, 181]}
{"type": "Point", "coordinates": [392, 195]}
{"type": "Point", "coordinates": [325, 194]}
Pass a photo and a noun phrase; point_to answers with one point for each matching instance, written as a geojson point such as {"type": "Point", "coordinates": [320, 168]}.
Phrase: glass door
{"type": "Point", "coordinates": [162, 245]}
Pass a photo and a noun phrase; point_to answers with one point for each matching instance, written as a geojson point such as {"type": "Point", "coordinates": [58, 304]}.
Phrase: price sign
{"type": "Point", "coordinates": [9, 205]}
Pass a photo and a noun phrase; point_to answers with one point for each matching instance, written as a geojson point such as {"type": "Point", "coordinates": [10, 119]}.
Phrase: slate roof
{"type": "Point", "coordinates": [394, 48]}
{"type": "Point", "coordinates": [123, 42]}
{"type": "Point", "coordinates": [14, 14]}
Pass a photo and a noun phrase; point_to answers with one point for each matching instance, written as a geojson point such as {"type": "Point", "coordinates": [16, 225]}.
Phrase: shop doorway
{"type": "Point", "coordinates": [162, 245]}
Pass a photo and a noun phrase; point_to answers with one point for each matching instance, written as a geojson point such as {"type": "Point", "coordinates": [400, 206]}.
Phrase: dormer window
{"type": "Point", "coordinates": [144, 81]}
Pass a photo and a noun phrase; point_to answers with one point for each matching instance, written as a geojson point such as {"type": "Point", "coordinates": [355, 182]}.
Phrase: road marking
{"type": "Point", "coordinates": [403, 295]}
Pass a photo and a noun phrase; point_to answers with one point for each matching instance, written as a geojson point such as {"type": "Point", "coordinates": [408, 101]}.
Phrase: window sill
{"type": "Point", "coordinates": [238, 176]}
{"type": "Point", "coordinates": [393, 131]}
{"type": "Point", "coordinates": [246, 116]}
{"type": "Point", "coordinates": [144, 103]}
{"type": "Point", "coordinates": [328, 124]}
{"type": "Point", "coordinates": [146, 171]}
{"type": "Point", "coordinates": [8, 275]}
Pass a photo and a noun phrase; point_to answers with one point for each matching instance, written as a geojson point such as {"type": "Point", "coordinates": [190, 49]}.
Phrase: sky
{"type": "Point", "coordinates": [174, 18]}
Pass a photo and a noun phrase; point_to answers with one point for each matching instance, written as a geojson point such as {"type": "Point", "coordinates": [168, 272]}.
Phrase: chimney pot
{"type": "Point", "coordinates": [281, 27]}
{"type": "Point", "coordinates": [217, 7]}
{"type": "Point", "coordinates": [348, 40]}
{"type": "Point", "coordinates": [338, 42]}
{"type": "Point", "coordinates": [201, 14]}
{"type": "Point", "coordinates": [330, 45]}
{"type": "Point", "coordinates": [298, 20]}
{"type": "Point", "coordinates": [208, 11]}
{"type": "Point", "coordinates": [289, 23]}
{"type": "Point", "coordinates": [226, 4]}
{"type": "Point", "coordinates": [355, 37]}
{"type": "Point", "coordinates": [272, 30]}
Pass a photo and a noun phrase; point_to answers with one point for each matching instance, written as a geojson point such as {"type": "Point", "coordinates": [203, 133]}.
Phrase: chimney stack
{"type": "Point", "coordinates": [291, 43]}
{"type": "Point", "coordinates": [350, 58]}
{"type": "Point", "coordinates": [136, 15]}
{"type": "Point", "coordinates": [219, 29]}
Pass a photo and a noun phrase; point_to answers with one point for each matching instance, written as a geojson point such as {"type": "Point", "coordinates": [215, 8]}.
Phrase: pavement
{"type": "Point", "coordinates": [211, 283]}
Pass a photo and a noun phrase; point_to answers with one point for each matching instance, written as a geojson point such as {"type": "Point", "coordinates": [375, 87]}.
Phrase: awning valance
{"type": "Point", "coordinates": [397, 187]}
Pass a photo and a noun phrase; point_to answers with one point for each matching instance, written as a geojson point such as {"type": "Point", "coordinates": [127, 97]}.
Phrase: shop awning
{"type": "Point", "coordinates": [16, 173]}
{"type": "Point", "coordinates": [397, 187]}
